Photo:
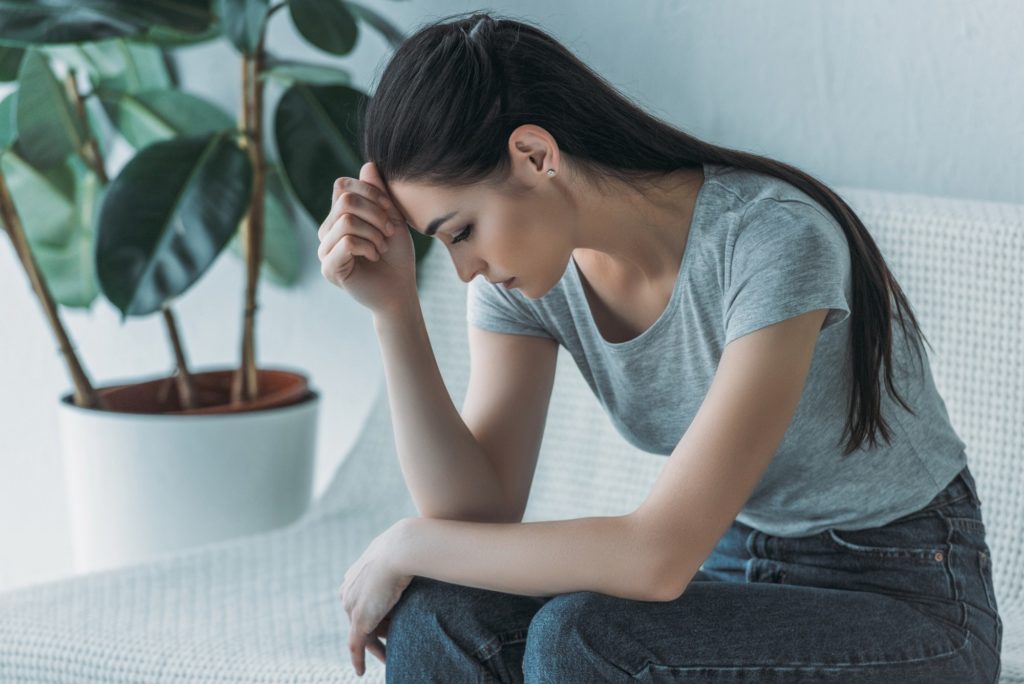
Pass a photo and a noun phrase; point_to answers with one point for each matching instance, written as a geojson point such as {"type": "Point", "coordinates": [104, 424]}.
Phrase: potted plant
{"type": "Point", "coordinates": [192, 456]}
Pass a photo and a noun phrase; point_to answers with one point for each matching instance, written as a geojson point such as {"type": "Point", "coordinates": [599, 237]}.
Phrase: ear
{"type": "Point", "coordinates": [533, 151]}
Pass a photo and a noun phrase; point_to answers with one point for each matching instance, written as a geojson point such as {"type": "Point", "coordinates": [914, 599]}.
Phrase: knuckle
{"type": "Point", "coordinates": [347, 221]}
{"type": "Point", "coordinates": [347, 200]}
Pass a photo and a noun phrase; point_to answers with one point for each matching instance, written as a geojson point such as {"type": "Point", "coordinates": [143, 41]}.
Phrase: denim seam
{"type": "Point", "coordinates": [797, 666]}
{"type": "Point", "coordinates": [985, 560]}
{"type": "Point", "coordinates": [495, 644]}
{"type": "Point", "coordinates": [923, 556]}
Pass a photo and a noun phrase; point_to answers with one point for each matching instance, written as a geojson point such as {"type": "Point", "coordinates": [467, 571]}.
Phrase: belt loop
{"type": "Point", "coordinates": [751, 545]}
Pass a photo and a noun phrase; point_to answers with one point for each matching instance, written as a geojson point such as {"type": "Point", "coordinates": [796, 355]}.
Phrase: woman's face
{"type": "Point", "coordinates": [493, 234]}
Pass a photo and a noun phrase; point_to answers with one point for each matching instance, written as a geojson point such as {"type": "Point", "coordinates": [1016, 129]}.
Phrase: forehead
{"type": "Point", "coordinates": [421, 203]}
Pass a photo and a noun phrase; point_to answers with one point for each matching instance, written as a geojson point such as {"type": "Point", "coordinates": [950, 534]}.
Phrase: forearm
{"type": "Point", "coordinates": [443, 464]}
{"type": "Point", "coordinates": [607, 554]}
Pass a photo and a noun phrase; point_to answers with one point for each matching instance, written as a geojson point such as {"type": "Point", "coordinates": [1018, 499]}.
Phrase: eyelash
{"type": "Point", "coordinates": [464, 235]}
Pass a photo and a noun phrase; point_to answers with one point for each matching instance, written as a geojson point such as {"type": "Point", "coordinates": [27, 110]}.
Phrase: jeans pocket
{"type": "Point", "coordinates": [919, 536]}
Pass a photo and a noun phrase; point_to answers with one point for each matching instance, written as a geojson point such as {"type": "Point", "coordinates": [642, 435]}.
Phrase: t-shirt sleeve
{"type": "Point", "coordinates": [492, 307]}
{"type": "Point", "coordinates": [788, 258]}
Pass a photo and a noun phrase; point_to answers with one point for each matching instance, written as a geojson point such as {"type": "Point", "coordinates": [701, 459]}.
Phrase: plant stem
{"type": "Point", "coordinates": [183, 378]}
{"type": "Point", "coordinates": [245, 387]}
{"type": "Point", "coordinates": [91, 152]}
{"type": "Point", "coordinates": [84, 395]}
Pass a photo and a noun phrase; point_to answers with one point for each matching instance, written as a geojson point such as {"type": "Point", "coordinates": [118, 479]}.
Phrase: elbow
{"type": "Point", "coordinates": [669, 570]}
{"type": "Point", "coordinates": [669, 582]}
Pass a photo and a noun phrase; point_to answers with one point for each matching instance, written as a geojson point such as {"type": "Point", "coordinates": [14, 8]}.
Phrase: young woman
{"type": "Point", "coordinates": [730, 312]}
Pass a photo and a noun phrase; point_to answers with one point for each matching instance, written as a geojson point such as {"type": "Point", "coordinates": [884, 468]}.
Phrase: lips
{"type": "Point", "coordinates": [508, 283]}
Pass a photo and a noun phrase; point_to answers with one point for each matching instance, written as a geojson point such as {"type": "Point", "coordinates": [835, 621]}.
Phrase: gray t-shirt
{"type": "Point", "coordinates": [759, 251]}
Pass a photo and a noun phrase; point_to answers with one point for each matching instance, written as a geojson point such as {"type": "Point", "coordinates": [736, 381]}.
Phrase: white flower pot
{"type": "Point", "coordinates": [143, 485]}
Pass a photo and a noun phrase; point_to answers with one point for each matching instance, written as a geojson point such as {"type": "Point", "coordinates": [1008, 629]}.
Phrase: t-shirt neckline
{"type": "Point", "coordinates": [673, 301]}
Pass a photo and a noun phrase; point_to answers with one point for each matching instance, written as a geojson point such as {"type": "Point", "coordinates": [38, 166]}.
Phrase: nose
{"type": "Point", "coordinates": [465, 270]}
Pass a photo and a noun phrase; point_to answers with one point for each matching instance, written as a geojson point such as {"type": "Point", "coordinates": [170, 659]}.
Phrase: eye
{"type": "Point", "coordinates": [464, 235]}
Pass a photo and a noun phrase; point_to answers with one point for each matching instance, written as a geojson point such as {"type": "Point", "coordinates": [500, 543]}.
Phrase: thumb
{"type": "Point", "coordinates": [369, 173]}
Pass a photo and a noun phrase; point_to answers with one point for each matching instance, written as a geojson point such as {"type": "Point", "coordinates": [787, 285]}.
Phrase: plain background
{"type": "Point", "coordinates": [922, 96]}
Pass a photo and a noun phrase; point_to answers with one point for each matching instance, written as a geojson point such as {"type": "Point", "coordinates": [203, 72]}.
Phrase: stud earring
{"type": "Point", "coordinates": [551, 172]}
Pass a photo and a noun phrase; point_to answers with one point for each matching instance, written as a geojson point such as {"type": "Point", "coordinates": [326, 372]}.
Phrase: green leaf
{"type": "Point", "coordinates": [116, 63]}
{"type": "Point", "coordinates": [75, 21]}
{"type": "Point", "coordinates": [280, 242]}
{"type": "Point", "coordinates": [44, 200]}
{"type": "Point", "coordinates": [10, 60]}
{"type": "Point", "coordinates": [49, 128]}
{"type": "Point", "coordinates": [390, 32]}
{"type": "Point", "coordinates": [243, 22]}
{"type": "Point", "coordinates": [290, 72]}
{"type": "Point", "coordinates": [326, 24]}
{"type": "Point", "coordinates": [317, 141]}
{"type": "Point", "coordinates": [317, 131]}
{"type": "Point", "coordinates": [170, 38]}
{"type": "Point", "coordinates": [8, 122]}
{"type": "Point", "coordinates": [120, 64]}
{"type": "Point", "coordinates": [146, 117]}
{"type": "Point", "coordinates": [166, 217]}
{"type": "Point", "coordinates": [69, 270]}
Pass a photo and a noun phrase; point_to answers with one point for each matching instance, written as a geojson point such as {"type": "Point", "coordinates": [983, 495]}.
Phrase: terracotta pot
{"type": "Point", "coordinates": [211, 390]}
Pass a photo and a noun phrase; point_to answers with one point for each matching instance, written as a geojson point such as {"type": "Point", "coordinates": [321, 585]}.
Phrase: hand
{"type": "Point", "coordinates": [371, 589]}
{"type": "Point", "coordinates": [358, 225]}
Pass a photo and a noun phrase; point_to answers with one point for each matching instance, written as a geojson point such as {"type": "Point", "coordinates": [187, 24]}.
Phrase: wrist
{"type": "Point", "coordinates": [407, 309]}
{"type": "Point", "coordinates": [400, 545]}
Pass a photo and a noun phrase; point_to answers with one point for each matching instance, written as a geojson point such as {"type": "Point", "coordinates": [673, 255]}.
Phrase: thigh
{"type": "Point", "coordinates": [900, 603]}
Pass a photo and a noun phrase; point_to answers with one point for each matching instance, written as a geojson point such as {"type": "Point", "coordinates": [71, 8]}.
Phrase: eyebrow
{"type": "Point", "coordinates": [436, 223]}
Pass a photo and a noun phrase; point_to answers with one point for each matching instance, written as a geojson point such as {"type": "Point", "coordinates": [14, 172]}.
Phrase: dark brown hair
{"type": "Point", "coordinates": [455, 90]}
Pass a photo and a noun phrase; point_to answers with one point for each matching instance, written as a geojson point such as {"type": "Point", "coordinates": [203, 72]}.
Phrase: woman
{"type": "Point", "coordinates": [730, 312]}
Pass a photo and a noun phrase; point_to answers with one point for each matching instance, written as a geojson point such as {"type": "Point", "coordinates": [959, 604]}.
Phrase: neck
{"type": "Point", "coordinates": [638, 235]}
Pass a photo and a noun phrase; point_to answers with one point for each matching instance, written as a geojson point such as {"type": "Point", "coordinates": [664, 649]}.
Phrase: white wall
{"type": "Point", "coordinates": [920, 96]}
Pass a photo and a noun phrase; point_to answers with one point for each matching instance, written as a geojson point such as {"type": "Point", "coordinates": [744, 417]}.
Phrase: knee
{"type": "Point", "coordinates": [574, 638]}
{"type": "Point", "coordinates": [436, 630]}
{"type": "Point", "coordinates": [418, 607]}
{"type": "Point", "coordinates": [557, 632]}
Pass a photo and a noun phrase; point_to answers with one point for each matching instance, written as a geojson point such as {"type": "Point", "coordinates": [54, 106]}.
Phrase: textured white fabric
{"type": "Point", "coordinates": [264, 608]}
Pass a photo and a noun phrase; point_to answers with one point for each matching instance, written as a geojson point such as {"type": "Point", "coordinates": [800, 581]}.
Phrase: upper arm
{"type": "Point", "coordinates": [506, 404]}
{"type": "Point", "coordinates": [723, 454]}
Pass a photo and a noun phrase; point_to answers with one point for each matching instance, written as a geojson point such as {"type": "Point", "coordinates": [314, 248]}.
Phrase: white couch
{"type": "Point", "coordinates": [264, 608]}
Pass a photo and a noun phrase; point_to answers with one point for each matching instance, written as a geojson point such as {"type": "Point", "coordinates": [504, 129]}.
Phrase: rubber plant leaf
{"type": "Point", "coordinates": [316, 131]}
{"type": "Point", "coordinates": [73, 21]}
{"type": "Point", "coordinates": [167, 216]}
{"type": "Point", "coordinates": [49, 127]}
{"type": "Point", "coordinates": [146, 117]}
{"type": "Point", "coordinates": [242, 22]}
{"type": "Point", "coordinates": [327, 24]}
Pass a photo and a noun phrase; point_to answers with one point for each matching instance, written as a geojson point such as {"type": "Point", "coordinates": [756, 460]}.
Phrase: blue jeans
{"type": "Point", "coordinates": [911, 601]}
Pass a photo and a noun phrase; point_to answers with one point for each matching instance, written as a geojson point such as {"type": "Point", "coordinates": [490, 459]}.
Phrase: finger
{"type": "Point", "coordinates": [344, 252]}
{"type": "Point", "coordinates": [376, 191]}
{"type": "Point", "coordinates": [378, 649]}
{"type": "Point", "coordinates": [350, 224]}
{"type": "Point", "coordinates": [371, 192]}
{"type": "Point", "coordinates": [370, 176]}
{"type": "Point", "coordinates": [351, 202]}
{"type": "Point", "coordinates": [339, 187]}
{"type": "Point", "coordinates": [355, 647]}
